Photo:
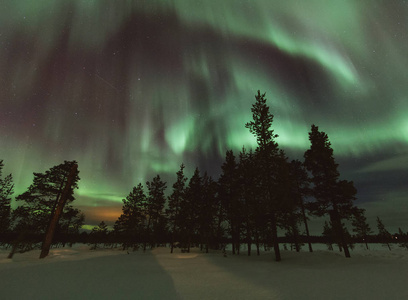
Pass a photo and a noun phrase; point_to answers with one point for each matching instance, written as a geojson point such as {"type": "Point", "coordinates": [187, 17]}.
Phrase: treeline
{"type": "Point", "coordinates": [258, 192]}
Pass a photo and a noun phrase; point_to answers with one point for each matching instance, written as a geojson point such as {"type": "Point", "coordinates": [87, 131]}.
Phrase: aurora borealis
{"type": "Point", "coordinates": [130, 89]}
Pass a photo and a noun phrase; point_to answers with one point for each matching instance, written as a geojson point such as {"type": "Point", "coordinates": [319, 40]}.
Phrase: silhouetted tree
{"type": "Point", "coordinates": [6, 190]}
{"type": "Point", "coordinates": [402, 239]}
{"type": "Point", "coordinates": [55, 217]}
{"type": "Point", "coordinates": [300, 189]}
{"type": "Point", "coordinates": [251, 213]}
{"type": "Point", "coordinates": [190, 209]}
{"type": "Point", "coordinates": [271, 166]}
{"type": "Point", "coordinates": [175, 205]}
{"type": "Point", "coordinates": [130, 224]}
{"type": "Point", "coordinates": [69, 227]}
{"type": "Point", "coordinates": [99, 235]}
{"type": "Point", "coordinates": [155, 210]}
{"type": "Point", "coordinates": [208, 211]}
{"type": "Point", "coordinates": [360, 225]}
{"type": "Point", "coordinates": [328, 235]}
{"type": "Point", "coordinates": [333, 196]}
{"type": "Point", "coordinates": [290, 222]}
{"type": "Point", "coordinates": [229, 197]}
{"type": "Point", "coordinates": [42, 197]}
{"type": "Point", "coordinates": [383, 234]}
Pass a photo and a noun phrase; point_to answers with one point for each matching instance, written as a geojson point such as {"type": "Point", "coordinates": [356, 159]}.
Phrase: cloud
{"type": "Point", "coordinates": [397, 163]}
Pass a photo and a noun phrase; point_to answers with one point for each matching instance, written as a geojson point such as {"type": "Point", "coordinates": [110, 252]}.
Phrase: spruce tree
{"type": "Point", "coordinates": [333, 196]}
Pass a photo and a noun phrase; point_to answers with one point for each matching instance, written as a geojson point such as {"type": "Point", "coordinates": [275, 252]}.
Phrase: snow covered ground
{"type": "Point", "coordinates": [79, 273]}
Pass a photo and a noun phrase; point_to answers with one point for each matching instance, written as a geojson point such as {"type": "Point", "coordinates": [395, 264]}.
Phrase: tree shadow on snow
{"type": "Point", "coordinates": [134, 276]}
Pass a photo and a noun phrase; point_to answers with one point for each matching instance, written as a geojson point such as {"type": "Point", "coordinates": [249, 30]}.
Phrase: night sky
{"type": "Point", "coordinates": [131, 89]}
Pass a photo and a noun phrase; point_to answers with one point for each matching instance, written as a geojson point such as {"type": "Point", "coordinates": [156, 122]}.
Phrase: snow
{"type": "Point", "coordinates": [81, 273]}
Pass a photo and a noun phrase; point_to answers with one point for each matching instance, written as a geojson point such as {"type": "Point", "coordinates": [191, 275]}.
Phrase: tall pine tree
{"type": "Point", "coordinates": [208, 210]}
{"type": "Point", "coordinates": [174, 206]}
{"type": "Point", "coordinates": [190, 208]}
{"type": "Point", "coordinates": [130, 224]}
{"type": "Point", "coordinates": [229, 197]}
{"type": "Point", "coordinates": [41, 199]}
{"type": "Point", "coordinates": [155, 229]}
{"type": "Point", "coordinates": [252, 212]}
{"type": "Point", "coordinates": [271, 164]}
{"type": "Point", "coordinates": [333, 196]}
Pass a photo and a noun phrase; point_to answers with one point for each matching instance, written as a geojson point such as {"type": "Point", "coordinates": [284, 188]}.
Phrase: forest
{"type": "Point", "coordinates": [259, 194]}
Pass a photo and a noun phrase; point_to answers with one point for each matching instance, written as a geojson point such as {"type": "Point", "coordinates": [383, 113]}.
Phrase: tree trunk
{"type": "Point", "coordinates": [339, 230]}
{"type": "Point", "coordinates": [232, 230]}
{"type": "Point", "coordinates": [257, 242]}
{"type": "Point", "coordinates": [45, 249]}
{"type": "Point", "coordinates": [306, 225]}
{"type": "Point", "coordinates": [275, 238]}
{"type": "Point", "coordinates": [172, 234]}
{"type": "Point", "coordinates": [295, 234]}
{"type": "Point", "coordinates": [248, 237]}
{"type": "Point", "coordinates": [219, 233]}
{"type": "Point", "coordinates": [16, 243]}
{"type": "Point", "coordinates": [147, 234]}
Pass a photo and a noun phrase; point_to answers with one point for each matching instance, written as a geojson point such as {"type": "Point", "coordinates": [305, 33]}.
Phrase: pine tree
{"type": "Point", "coordinates": [383, 233]}
{"type": "Point", "coordinates": [271, 165]}
{"type": "Point", "coordinates": [41, 199]}
{"type": "Point", "coordinates": [260, 127]}
{"type": "Point", "coordinates": [333, 196]}
{"type": "Point", "coordinates": [290, 222]}
{"type": "Point", "coordinates": [190, 209]}
{"type": "Point", "coordinates": [361, 227]}
{"type": "Point", "coordinates": [130, 223]}
{"type": "Point", "coordinates": [99, 234]}
{"type": "Point", "coordinates": [175, 204]}
{"type": "Point", "coordinates": [155, 210]}
{"type": "Point", "coordinates": [300, 189]}
{"type": "Point", "coordinates": [252, 215]}
{"type": "Point", "coordinates": [6, 190]}
{"type": "Point", "coordinates": [328, 234]}
{"type": "Point", "coordinates": [68, 229]}
{"type": "Point", "coordinates": [229, 197]}
{"type": "Point", "coordinates": [402, 239]}
{"type": "Point", "coordinates": [208, 210]}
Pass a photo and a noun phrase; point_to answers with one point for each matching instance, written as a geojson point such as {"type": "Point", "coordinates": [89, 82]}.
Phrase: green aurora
{"type": "Point", "coordinates": [130, 89]}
